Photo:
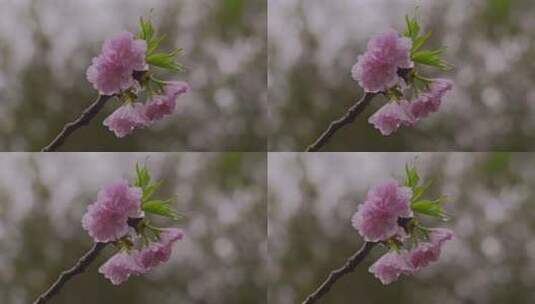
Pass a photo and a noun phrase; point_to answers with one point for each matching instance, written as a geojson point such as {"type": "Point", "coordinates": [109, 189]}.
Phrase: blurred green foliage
{"type": "Point", "coordinates": [231, 13]}
{"type": "Point", "coordinates": [498, 11]}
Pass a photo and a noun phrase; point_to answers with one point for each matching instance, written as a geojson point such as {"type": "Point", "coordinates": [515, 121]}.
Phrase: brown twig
{"type": "Point", "coordinates": [348, 118]}
{"type": "Point", "coordinates": [352, 113]}
{"type": "Point", "coordinates": [66, 275]}
{"type": "Point", "coordinates": [348, 267]}
{"type": "Point", "coordinates": [83, 120]}
{"type": "Point", "coordinates": [80, 266]}
{"type": "Point", "coordinates": [87, 115]}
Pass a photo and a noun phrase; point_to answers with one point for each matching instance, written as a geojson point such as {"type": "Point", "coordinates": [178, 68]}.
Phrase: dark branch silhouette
{"type": "Point", "coordinates": [79, 267]}
{"type": "Point", "coordinates": [348, 118]}
{"type": "Point", "coordinates": [66, 275]}
{"type": "Point", "coordinates": [351, 114]}
{"type": "Point", "coordinates": [348, 267]}
{"type": "Point", "coordinates": [84, 119]}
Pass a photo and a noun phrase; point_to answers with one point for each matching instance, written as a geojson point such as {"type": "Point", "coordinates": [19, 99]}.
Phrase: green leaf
{"type": "Point", "coordinates": [147, 33]}
{"type": "Point", "coordinates": [412, 178]}
{"type": "Point", "coordinates": [148, 191]}
{"type": "Point", "coordinates": [429, 207]}
{"type": "Point", "coordinates": [431, 58]}
{"type": "Point", "coordinates": [165, 60]}
{"type": "Point", "coordinates": [160, 207]}
{"type": "Point", "coordinates": [146, 30]}
{"type": "Point", "coordinates": [154, 43]}
{"type": "Point", "coordinates": [419, 42]}
{"type": "Point", "coordinates": [413, 28]}
{"type": "Point", "coordinates": [142, 177]}
{"type": "Point", "coordinates": [418, 191]}
{"type": "Point", "coordinates": [427, 56]}
{"type": "Point", "coordinates": [161, 60]}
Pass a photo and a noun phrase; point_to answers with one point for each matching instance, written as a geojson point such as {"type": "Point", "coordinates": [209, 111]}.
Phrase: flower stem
{"type": "Point", "coordinates": [84, 119]}
{"type": "Point", "coordinates": [66, 275]}
{"type": "Point", "coordinates": [335, 275]}
{"type": "Point", "coordinates": [335, 125]}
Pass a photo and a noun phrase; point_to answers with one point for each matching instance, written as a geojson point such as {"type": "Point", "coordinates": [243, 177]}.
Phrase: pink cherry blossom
{"type": "Point", "coordinates": [176, 88]}
{"type": "Point", "coordinates": [158, 253]}
{"type": "Point", "coordinates": [120, 267]}
{"type": "Point", "coordinates": [392, 116]}
{"type": "Point", "coordinates": [393, 48]}
{"type": "Point", "coordinates": [430, 101]}
{"type": "Point", "coordinates": [377, 218]}
{"type": "Point", "coordinates": [390, 266]}
{"type": "Point", "coordinates": [126, 119]}
{"type": "Point", "coordinates": [438, 236]}
{"type": "Point", "coordinates": [162, 105]}
{"type": "Point", "coordinates": [374, 74]}
{"type": "Point", "coordinates": [377, 69]}
{"type": "Point", "coordinates": [440, 86]}
{"type": "Point", "coordinates": [424, 105]}
{"type": "Point", "coordinates": [106, 219]}
{"type": "Point", "coordinates": [112, 71]}
{"type": "Point", "coordinates": [427, 252]}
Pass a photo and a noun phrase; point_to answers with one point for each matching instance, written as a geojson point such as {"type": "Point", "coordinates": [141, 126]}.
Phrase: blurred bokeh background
{"type": "Point", "coordinates": [491, 199]}
{"type": "Point", "coordinates": [46, 47]}
{"type": "Point", "coordinates": [314, 43]}
{"type": "Point", "coordinates": [223, 199]}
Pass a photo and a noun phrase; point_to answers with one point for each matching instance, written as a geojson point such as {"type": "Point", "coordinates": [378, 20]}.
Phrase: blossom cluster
{"type": "Point", "coordinates": [390, 266]}
{"type": "Point", "coordinates": [117, 217]}
{"type": "Point", "coordinates": [139, 261]}
{"type": "Point", "coordinates": [377, 218]}
{"type": "Point", "coordinates": [137, 115]}
{"type": "Point", "coordinates": [389, 67]}
{"type": "Point", "coordinates": [377, 69]}
{"type": "Point", "coordinates": [106, 219]}
{"type": "Point", "coordinates": [113, 70]}
{"type": "Point", "coordinates": [388, 216]}
{"type": "Point", "coordinates": [406, 113]}
{"type": "Point", "coordinates": [122, 70]}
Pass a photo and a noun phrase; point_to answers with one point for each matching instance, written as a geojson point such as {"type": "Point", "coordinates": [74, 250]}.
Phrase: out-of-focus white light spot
{"type": "Point", "coordinates": [224, 98]}
{"type": "Point", "coordinates": [491, 247]}
{"type": "Point", "coordinates": [224, 248]}
{"type": "Point", "coordinates": [465, 226]}
{"type": "Point", "coordinates": [492, 97]}
{"type": "Point", "coordinates": [227, 213]}
{"type": "Point", "coordinates": [495, 60]}
{"type": "Point", "coordinates": [495, 211]}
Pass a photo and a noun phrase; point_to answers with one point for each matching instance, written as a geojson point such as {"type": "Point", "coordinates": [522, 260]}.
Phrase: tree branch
{"type": "Point", "coordinates": [66, 275]}
{"type": "Point", "coordinates": [348, 118]}
{"type": "Point", "coordinates": [84, 119]}
{"type": "Point", "coordinates": [348, 267]}
{"type": "Point", "coordinates": [80, 266]}
{"type": "Point", "coordinates": [87, 115]}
